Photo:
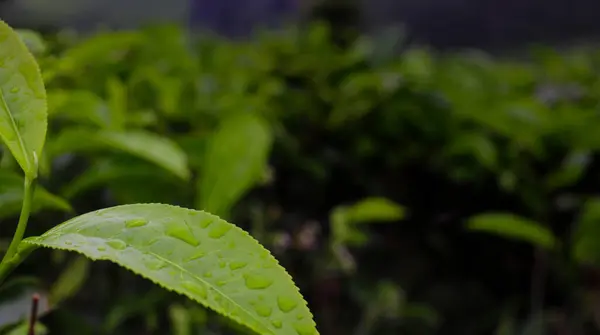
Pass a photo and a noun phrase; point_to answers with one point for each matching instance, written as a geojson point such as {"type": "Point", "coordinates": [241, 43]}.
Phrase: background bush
{"type": "Point", "coordinates": [407, 192]}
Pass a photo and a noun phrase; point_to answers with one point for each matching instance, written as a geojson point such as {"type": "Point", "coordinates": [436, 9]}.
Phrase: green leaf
{"type": "Point", "coordinates": [117, 100]}
{"type": "Point", "coordinates": [234, 162]}
{"type": "Point", "coordinates": [151, 147]}
{"type": "Point", "coordinates": [11, 196]}
{"type": "Point", "coordinates": [375, 210]}
{"type": "Point", "coordinates": [109, 170]}
{"type": "Point", "coordinates": [80, 106]}
{"type": "Point", "coordinates": [514, 227]}
{"type": "Point", "coordinates": [23, 111]}
{"type": "Point", "coordinates": [344, 218]}
{"type": "Point", "coordinates": [585, 242]}
{"type": "Point", "coordinates": [192, 253]}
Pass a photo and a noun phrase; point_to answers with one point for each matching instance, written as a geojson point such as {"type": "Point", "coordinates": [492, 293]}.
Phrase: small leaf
{"type": "Point", "coordinates": [586, 238]}
{"type": "Point", "coordinates": [234, 162]}
{"type": "Point", "coordinates": [23, 111]}
{"type": "Point", "coordinates": [375, 210]}
{"type": "Point", "coordinates": [11, 196]}
{"type": "Point", "coordinates": [151, 147]}
{"type": "Point", "coordinates": [344, 218]}
{"type": "Point", "coordinates": [112, 170]}
{"type": "Point", "coordinates": [514, 227]}
{"type": "Point", "coordinates": [195, 254]}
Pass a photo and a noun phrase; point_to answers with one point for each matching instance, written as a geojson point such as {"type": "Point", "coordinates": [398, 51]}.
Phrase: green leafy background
{"type": "Point", "coordinates": [412, 192]}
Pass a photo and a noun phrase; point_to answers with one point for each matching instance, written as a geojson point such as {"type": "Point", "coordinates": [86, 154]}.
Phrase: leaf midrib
{"type": "Point", "coordinates": [16, 130]}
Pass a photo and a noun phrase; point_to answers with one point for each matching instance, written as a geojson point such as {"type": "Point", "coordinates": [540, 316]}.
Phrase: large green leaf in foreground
{"type": "Point", "coordinates": [23, 111]}
{"type": "Point", "coordinates": [193, 253]}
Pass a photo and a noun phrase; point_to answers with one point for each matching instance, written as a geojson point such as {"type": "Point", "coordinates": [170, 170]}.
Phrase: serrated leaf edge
{"type": "Point", "coordinates": [56, 229]}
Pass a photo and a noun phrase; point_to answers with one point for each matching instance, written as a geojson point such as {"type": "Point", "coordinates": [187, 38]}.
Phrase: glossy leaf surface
{"type": "Point", "coordinates": [195, 254]}
{"type": "Point", "coordinates": [234, 162]}
{"type": "Point", "coordinates": [23, 111]}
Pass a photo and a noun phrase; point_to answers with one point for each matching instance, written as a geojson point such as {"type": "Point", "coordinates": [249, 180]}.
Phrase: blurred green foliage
{"type": "Point", "coordinates": [311, 142]}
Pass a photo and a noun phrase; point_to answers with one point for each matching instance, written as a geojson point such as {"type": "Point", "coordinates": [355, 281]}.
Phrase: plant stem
{"type": "Point", "coordinates": [7, 264]}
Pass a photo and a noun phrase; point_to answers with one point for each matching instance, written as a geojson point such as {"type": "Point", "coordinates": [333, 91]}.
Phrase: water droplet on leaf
{"type": "Point", "coordinates": [136, 223]}
{"type": "Point", "coordinates": [195, 288]}
{"type": "Point", "coordinates": [116, 244]}
{"type": "Point", "coordinates": [182, 232]}
{"type": "Point", "coordinates": [219, 230]}
{"type": "Point", "coordinates": [286, 304]}
{"type": "Point", "coordinates": [303, 329]}
{"type": "Point", "coordinates": [263, 310]}
{"type": "Point", "coordinates": [235, 265]}
{"type": "Point", "coordinates": [199, 254]}
{"type": "Point", "coordinates": [276, 323]}
{"type": "Point", "coordinates": [257, 282]}
{"type": "Point", "coordinates": [206, 222]}
{"type": "Point", "coordinates": [155, 264]}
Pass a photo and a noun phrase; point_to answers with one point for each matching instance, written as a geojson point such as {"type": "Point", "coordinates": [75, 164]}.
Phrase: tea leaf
{"type": "Point", "coordinates": [80, 106]}
{"type": "Point", "coordinates": [515, 227]}
{"type": "Point", "coordinates": [374, 210]}
{"type": "Point", "coordinates": [106, 171]}
{"type": "Point", "coordinates": [151, 147]}
{"type": "Point", "coordinates": [234, 162]}
{"type": "Point", "coordinates": [195, 254]}
{"type": "Point", "coordinates": [586, 237]}
{"type": "Point", "coordinates": [23, 111]}
{"type": "Point", "coordinates": [11, 196]}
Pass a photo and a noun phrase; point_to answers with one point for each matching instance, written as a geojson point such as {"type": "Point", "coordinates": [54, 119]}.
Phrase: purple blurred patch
{"type": "Point", "coordinates": [236, 18]}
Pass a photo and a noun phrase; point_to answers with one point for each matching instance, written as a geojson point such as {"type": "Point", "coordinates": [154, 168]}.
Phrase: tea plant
{"type": "Point", "coordinates": [191, 252]}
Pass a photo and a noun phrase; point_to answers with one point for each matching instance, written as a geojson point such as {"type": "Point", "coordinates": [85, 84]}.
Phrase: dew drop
{"type": "Point", "coordinates": [136, 223]}
{"type": "Point", "coordinates": [286, 304]}
{"type": "Point", "coordinates": [195, 288]}
{"type": "Point", "coordinates": [276, 323]}
{"type": "Point", "coordinates": [207, 274]}
{"type": "Point", "coordinates": [257, 282]}
{"type": "Point", "coordinates": [206, 222]}
{"type": "Point", "coordinates": [68, 243]}
{"type": "Point", "coordinates": [219, 230]}
{"type": "Point", "coordinates": [237, 265]}
{"type": "Point", "coordinates": [101, 248]}
{"type": "Point", "coordinates": [116, 244]}
{"type": "Point", "coordinates": [263, 310]}
{"type": "Point", "coordinates": [182, 232]}
{"type": "Point", "coordinates": [221, 283]}
{"type": "Point", "coordinates": [304, 329]}
{"type": "Point", "coordinates": [155, 264]}
{"type": "Point", "coordinates": [15, 89]}
{"type": "Point", "coordinates": [222, 264]}
{"type": "Point", "coordinates": [199, 254]}
{"type": "Point", "coordinates": [299, 316]}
